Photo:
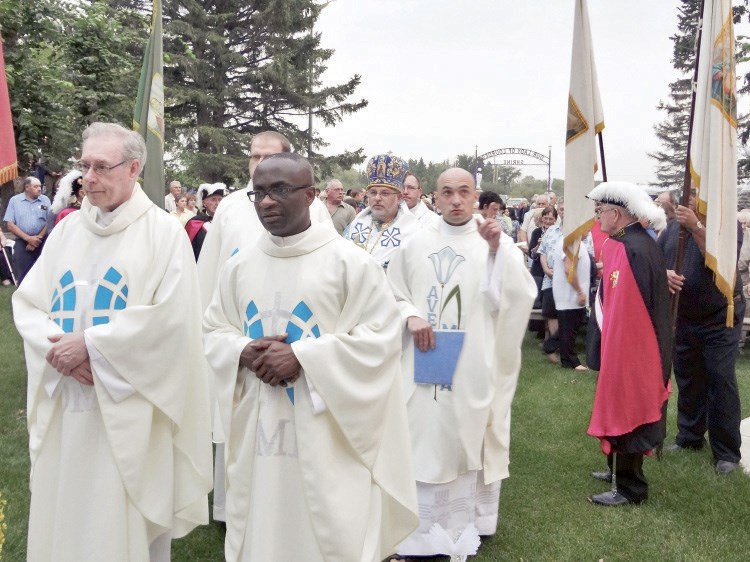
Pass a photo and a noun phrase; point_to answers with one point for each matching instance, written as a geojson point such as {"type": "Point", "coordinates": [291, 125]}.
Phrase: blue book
{"type": "Point", "coordinates": [436, 366]}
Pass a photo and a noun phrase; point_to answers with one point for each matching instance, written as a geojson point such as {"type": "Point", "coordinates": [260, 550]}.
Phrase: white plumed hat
{"type": "Point", "coordinates": [64, 191]}
{"type": "Point", "coordinates": [207, 190]}
{"type": "Point", "coordinates": [631, 197]}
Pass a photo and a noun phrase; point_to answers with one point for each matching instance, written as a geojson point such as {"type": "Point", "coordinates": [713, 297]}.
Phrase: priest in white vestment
{"type": "Point", "coordinates": [303, 336]}
{"type": "Point", "coordinates": [413, 198]}
{"type": "Point", "coordinates": [465, 296]}
{"type": "Point", "coordinates": [119, 426]}
{"type": "Point", "coordinates": [235, 226]}
{"type": "Point", "coordinates": [386, 225]}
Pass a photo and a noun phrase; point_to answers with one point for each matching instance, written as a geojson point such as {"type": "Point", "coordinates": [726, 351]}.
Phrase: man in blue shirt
{"type": "Point", "coordinates": [26, 216]}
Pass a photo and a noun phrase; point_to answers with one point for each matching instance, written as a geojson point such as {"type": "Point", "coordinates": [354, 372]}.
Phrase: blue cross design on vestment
{"type": "Point", "coordinates": [361, 232]}
{"type": "Point", "coordinates": [66, 302]}
{"type": "Point", "coordinates": [300, 324]}
{"type": "Point", "coordinates": [63, 307]}
{"type": "Point", "coordinates": [111, 294]}
{"type": "Point", "coordinates": [391, 236]}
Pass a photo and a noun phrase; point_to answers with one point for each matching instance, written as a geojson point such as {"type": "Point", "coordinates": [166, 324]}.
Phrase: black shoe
{"type": "Point", "coordinates": [613, 499]}
{"type": "Point", "coordinates": [725, 467]}
{"type": "Point", "coordinates": [604, 476]}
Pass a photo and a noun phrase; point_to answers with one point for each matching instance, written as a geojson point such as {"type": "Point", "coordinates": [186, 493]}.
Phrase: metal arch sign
{"type": "Point", "coordinates": [515, 151]}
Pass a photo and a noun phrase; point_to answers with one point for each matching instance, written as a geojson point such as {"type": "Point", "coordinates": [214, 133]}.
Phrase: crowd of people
{"type": "Point", "coordinates": [353, 355]}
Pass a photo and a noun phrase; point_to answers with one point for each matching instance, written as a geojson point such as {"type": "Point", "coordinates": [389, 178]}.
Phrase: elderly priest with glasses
{"type": "Point", "coordinates": [303, 336]}
{"type": "Point", "coordinates": [118, 425]}
{"type": "Point", "coordinates": [384, 227]}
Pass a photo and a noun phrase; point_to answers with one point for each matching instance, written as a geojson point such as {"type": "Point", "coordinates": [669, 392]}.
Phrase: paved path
{"type": "Point", "coordinates": [745, 449]}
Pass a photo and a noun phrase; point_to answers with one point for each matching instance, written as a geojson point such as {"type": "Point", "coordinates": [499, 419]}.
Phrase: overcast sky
{"type": "Point", "coordinates": [442, 76]}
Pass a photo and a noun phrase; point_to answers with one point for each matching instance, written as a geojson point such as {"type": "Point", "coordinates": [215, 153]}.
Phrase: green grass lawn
{"type": "Point", "coordinates": [692, 514]}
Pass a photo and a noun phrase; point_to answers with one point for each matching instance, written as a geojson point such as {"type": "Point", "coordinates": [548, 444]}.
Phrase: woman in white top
{"type": "Point", "coordinates": [571, 296]}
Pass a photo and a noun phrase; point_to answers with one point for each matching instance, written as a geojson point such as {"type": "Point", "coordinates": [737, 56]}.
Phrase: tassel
{"type": "Point", "coordinates": [730, 313]}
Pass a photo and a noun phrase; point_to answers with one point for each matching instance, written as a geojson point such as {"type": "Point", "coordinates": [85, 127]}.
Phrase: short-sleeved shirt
{"type": "Point", "coordinates": [700, 299]}
{"type": "Point", "coordinates": [342, 216]}
{"type": "Point", "coordinates": [30, 215]}
{"type": "Point", "coordinates": [565, 295]}
{"type": "Point", "coordinates": [547, 249]}
{"type": "Point", "coordinates": [169, 203]}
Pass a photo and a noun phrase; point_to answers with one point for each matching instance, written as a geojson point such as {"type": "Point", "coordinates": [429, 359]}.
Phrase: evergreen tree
{"type": "Point", "coordinates": [236, 67]}
{"type": "Point", "coordinates": [673, 131]}
{"type": "Point", "coordinates": [100, 64]}
{"type": "Point", "coordinates": [67, 66]}
{"type": "Point", "coordinates": [743, 88]}
{"type": "Point", "coordinates": [39, 93]}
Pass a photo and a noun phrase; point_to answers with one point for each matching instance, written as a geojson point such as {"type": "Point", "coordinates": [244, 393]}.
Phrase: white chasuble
{"type": "Point", "coordinates": [424, 215]}
{"type": "Point", "coordinates": [234, 226]}
{"type": "Point", "coordinates": [117, 464]}
{"type": "Point", "coordinates": [460, 431]}
{"type": "Point", "coordinates": [320, 470]}
{"type": "Point", "coordinates": [382, 240]}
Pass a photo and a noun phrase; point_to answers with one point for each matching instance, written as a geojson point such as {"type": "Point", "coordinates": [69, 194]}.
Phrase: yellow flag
{"type": "Point", "coordinates": [585, 120]}
{"type": "Point", "coordinates": [713, 150]}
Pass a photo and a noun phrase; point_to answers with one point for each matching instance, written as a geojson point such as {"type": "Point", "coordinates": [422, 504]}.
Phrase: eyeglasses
{"type": "Point", "coordinates": [385, 194]}
{"type": "Point", "coordinates": [276, 193]}
{"type": "Point", "coordinates": [99, 169]}
{"type": "Point", "coordinates": [600, 211]}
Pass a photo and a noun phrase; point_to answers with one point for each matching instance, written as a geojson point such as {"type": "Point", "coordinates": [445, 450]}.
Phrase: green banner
{"type": "Point", "coordinates": [148, 117]}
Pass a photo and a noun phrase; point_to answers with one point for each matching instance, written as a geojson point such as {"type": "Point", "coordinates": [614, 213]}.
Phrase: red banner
{"type": "Point", "coordinates": [8, 163]}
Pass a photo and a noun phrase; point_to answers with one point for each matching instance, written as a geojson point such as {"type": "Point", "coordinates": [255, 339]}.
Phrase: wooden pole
{"type": "Point", "coordinates": [601, 156]}
{"type": "Point", "coordinates": [686, 181]}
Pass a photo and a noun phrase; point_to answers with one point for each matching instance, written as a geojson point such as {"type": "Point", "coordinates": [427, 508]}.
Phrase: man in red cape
{"type": "Point", "coordinates": [629, 412]}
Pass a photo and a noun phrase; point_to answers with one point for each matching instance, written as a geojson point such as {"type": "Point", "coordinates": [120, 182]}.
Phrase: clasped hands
{"type": "Point", "coordinates": [33, 242]}
{"type": "Point", "coordinates": [272, 360]}
{"type": "Point", "coordinates": [70, 357]}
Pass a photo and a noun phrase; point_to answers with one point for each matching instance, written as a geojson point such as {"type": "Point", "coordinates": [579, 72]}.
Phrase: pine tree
{"type": "Point", "coordinates": [236, 67]}
{"type": "Point", "coordinates": [100, 64]}
{"type": "Point", "coordinates": [743, 88]}
{"type": "Point", "coordinates": [673, 131]}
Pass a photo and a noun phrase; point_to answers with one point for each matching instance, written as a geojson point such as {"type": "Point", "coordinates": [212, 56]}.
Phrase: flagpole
{"type": "Point", "coordinates": [601, 155]}
{"type": "Point", "coordinates": [686, 181]}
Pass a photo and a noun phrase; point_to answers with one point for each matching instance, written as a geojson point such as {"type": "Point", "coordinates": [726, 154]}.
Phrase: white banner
{"type": "Point", "coordinates": [713, 152]}
{"type": "Point", "coordinates": [585, 120]}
